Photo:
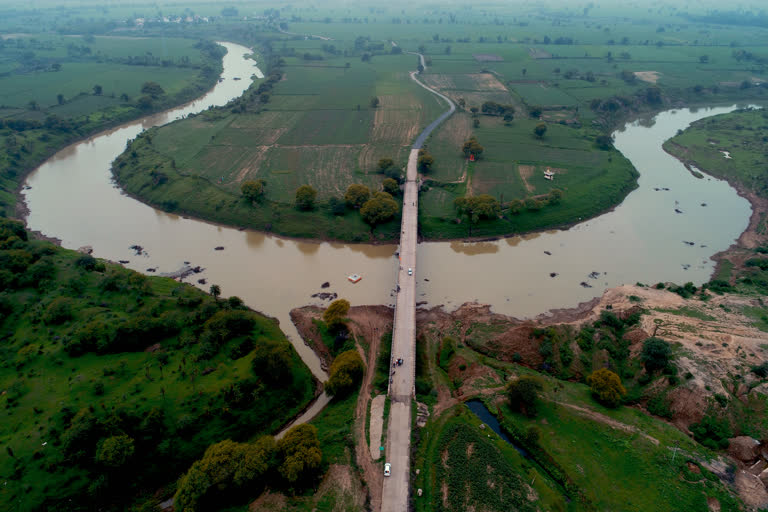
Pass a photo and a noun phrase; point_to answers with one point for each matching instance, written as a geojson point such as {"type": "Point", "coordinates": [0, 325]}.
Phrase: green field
{"type": "Point", "coordinates": [741, 134]}
{"type": "Point", "coordinates": [93, 350]}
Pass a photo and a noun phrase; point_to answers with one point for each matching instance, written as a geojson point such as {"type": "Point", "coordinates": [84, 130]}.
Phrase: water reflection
{"type": "Point", "coordinates": [475, 247]}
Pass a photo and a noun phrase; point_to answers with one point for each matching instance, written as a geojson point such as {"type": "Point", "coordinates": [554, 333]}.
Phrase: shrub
{"type": "Point", "coordinates": [447, 350]}
{"type": "Point", "coordinates": [712, 432]}
{"type": "Point", "coordinates": [58, 311]}
{"type": "Point", "coordinates": [761, 370]}
{"type": "Point", "coordinates": [656, 354]}
{"type": "Point", "coordinates": [523, 395]}
{"type": "Point", "coordinates": [345, 373]}
{"type": "Point", "coordinates": [606, 386]}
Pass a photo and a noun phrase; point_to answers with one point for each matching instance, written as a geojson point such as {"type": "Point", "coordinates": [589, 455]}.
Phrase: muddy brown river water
{"type": "Point", "coordinates": [72, 197]}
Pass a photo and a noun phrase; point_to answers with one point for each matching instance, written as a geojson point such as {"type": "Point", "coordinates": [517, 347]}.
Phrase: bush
{"type": "Point", "coordinates": [447, 350]}
{"type": "Point", "coordinates": [523, 395]}
{"type": "Point", "coordinates": [761, 370]}
{"type": "Point", "coordinates": [58, 311]}
{"type": "Point", "coordinates": [345, 373]}
{"type": "Point", "coordinates": [656, 354]}
{"type": "Point", "coordinates": [606, 386]}
{"type": "Point", "coordinates": [712, 432]}
{"type": "Point", "coordinates": [659, 406]}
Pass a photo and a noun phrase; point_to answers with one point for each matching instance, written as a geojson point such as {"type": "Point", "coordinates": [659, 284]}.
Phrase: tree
{"type": "Point", "coordinates": [384, 164]}
{"type": "Point", "coordinates": [357, 195]}
{"type": "Point", "coordinates": [374, 102]}
{"type": "Point", "coordinates": [115, 451]}
{"type": "Point", "coordinates": [604, 142]}
{"type": "Point", "coordinates": [215, 291]}
{"type": "Point", "coordinates": [301, 454]}
{"type": "Point", "coordinates": [655, 355]}
{"type": "Point", "coordinates": [338, 207]}
{"type": "Point", "coordinates": [533, 204]}
{"type": "Point", "coordinates": [225, 465]}
{"type": "Point", "coordinates": [145, 102]}
{"type": "Point", "coordinates": [305, 197]}
{"type": "Point", "coordinates": [535, 112]}
{"type": "Point", "coordinates": [345, 373]}
{"type": "Point", "coordinates": [378, 209]}
{"type": "Point", "coordinates": [33, 105]}
{"type": "Point", "coordinates": [540, 130]}
{"type": "Point", "coordinates": [704, 59]}
{"type": "Point", "coordinates": [391, 186]}
{"type": "Point", "coordinates": [60, 99]}
{"type": "Point", "coordinates": [475, 123]}
{"type": "Point", "coordinates": [523, 395]}
{"type": "Point", "coordinates": [606, 386]}
{"type": "Point", "coordinates": [555, 196]}
{"type": "Point", "coordinates": [336, 312]}
{"type": "Point", "coordinates": [153, 89]}
{"type": "Point", "coordinates": [97, 90]}
{"type": "Point", "coordinates": [272, 361]}
{"type": "Point", "coordinates": [479, 207]}
{"type": "Point", "coordinates": [472, 147]}
{"type": "Point", "coordinates": [252, 190]}
{"type": "Point", "coordinates": [425, 161]}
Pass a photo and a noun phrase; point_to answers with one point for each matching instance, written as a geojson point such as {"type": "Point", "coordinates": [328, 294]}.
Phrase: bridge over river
{"type": "Point", "coordinates": [401, 390]}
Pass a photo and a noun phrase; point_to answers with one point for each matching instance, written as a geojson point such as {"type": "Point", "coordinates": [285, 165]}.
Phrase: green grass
{"type": "Point", "coordinates": [689, 312]}
{"type": "Point", "coordinates": [741, 134]}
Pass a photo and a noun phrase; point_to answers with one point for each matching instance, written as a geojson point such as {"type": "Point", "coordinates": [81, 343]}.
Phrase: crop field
{"type": "Point", "coordinates": [318, 129]}
{"type": "Point", "coordinates": [85, 63]}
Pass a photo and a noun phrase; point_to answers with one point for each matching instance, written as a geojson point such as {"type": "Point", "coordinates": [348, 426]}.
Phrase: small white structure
{"type": "Point", "coordinates": [355, 278]}
{"type": "Point", "coordinates": [549, 175]}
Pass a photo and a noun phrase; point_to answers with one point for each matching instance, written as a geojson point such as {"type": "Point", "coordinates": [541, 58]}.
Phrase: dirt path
{"type": "Point", "coordinates": [601, 418]}
{"type": "Point", "coordinates": [376, 425]}
{"type": "Point", "coordinates": [369, 323]}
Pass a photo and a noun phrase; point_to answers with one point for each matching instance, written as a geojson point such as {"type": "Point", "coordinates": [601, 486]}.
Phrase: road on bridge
{"type": "Point", "coordinates": [396, 489]}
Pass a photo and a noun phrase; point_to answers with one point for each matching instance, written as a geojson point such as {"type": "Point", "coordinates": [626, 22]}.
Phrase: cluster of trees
{"type": "Point", "coordinates": [497, 109]}
{"type": "Point", "coordinates": [375, 208]}
{"type": "Point", "coordinates": [523, 394]}
{"type": "Point", "coordinates": [425, 161]}
{"type": "Point", "coordinates": [474, 208]}
{"type": "Point", "coordinates": [472, 148]}
{"type": "Point", "coordinates": [388, 168]}
{"type": "Point", "coordinates": [228, 468]}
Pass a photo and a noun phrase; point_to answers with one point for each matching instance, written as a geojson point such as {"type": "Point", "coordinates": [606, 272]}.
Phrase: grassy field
{"type": "Point", "coordinates": [730, 146]}
{"type": "Point", "coordinates": [318, 128]}
{"type": "Point", "coordinates": [93, 350]}
{"type": "Point", "coordinates": [35, 122]}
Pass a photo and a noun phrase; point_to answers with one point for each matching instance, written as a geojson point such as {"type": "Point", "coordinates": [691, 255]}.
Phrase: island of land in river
{"type": "Point", "coordinates": [327, 114]}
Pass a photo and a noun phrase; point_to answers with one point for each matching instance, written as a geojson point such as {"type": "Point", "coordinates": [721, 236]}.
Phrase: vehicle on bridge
{"type": "Point", "coordinates": [387, 469]}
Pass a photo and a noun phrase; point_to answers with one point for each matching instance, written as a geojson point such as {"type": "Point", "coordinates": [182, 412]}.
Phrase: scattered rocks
{"type": "Point", "coordinates": [427, 280]}
{"type": "Point", "coordinates": [218, 248]}
{"type": "Point", "coordinates": [703, 204]}
{"type": "Point", "coordinates": [553, 274]}
{"type": "Point", "coordinates": [325, 296]}
{"type": "Point", "coordinates": [422, 303]}
{"type": "Point", "coordinates": [123, 262]}
{"type": "Point", "coordinates": [152, 269]}
{"type": "Point", "coordinates": [139, 250]}
{"type": "Point", "coordinates": [325, 285]}
{"type": "Point", "coordinates": [594, 275]}
{"type": "Point", "coordinates": [686, 266]}
{"type": "Point", "coordinates": [86, 249]}
{"type": "Point", "coordinates": [688, 243]}
{"type": "Point", "coordinates": [585, 284]}
{"type": "Point", "coordinates": [548, 253]}
{"type": "Point", "coordinates": [202, 281]}
{"type": "Point", "coordinates": [678, 210]}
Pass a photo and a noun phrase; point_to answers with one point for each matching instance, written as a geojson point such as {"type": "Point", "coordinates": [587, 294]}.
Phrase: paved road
{"type": "Point", "coordinates": [396, 489]}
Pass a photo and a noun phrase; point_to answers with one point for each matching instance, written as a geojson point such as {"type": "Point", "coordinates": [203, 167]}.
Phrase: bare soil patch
{"type": "Point", "coordinates": [526, 171]}
{"type": "Point", "coordinates": [487, 82]}
{"type": "Point", "coordinates": [487, 57]}
{"type": "Point", "coordinates": [537, 53]}
{"type": "Point", "coordinates": [648, 76]}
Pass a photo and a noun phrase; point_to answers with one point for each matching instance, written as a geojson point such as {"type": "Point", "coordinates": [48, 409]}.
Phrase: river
{"type": "Point", "coordinates": [72, 197]}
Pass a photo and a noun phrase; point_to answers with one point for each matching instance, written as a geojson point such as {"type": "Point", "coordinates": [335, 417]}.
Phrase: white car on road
{"type": "Point", "coordinates": [387, 469]}
{"type": "Point", "coordinates": [410, 271]}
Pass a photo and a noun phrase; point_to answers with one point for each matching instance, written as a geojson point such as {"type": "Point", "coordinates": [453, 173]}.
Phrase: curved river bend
{"type": "Point", "coordinates": [72, 197]}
